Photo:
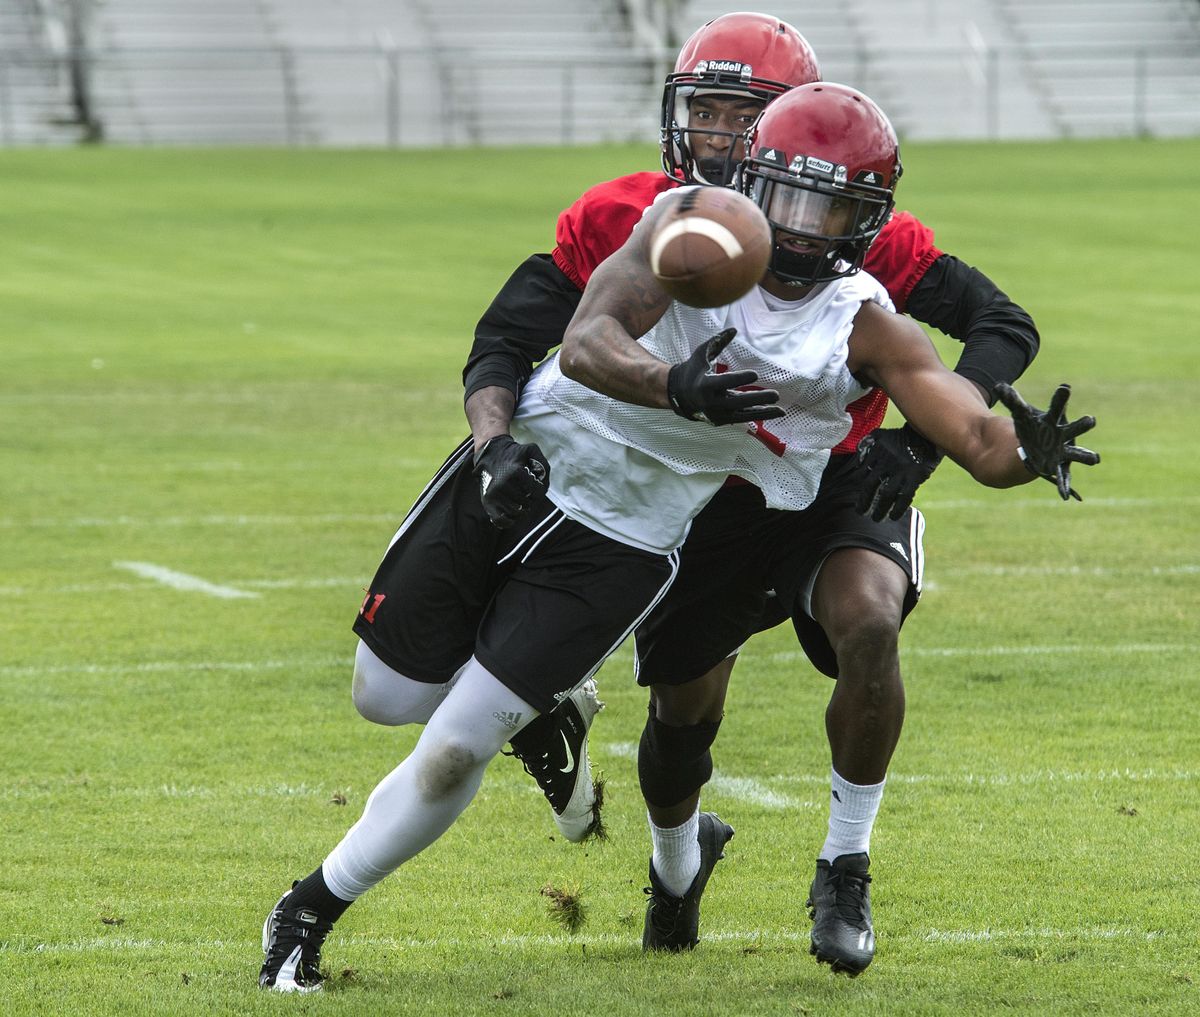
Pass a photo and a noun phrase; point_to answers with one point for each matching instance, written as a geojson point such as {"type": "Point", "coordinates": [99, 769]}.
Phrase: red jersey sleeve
{"type": "Point", "coordinates": [601, 220]}
{"type": "Point", "coordinates": [900, 255]}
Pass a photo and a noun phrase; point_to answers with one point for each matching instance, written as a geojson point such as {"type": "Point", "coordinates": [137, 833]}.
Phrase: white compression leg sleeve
{"type": "Point", "coordinates": [419, 800]}
{"type": "Point", "coordinates": [385, 696]}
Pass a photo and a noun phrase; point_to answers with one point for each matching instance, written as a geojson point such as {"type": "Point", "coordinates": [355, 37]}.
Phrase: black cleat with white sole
{"type": "Point", "coordinates": [554, 751]}
{"type": "Point", "coordinates": [292, 940]}
{"type": "Point", "coordinates": [839, 904]}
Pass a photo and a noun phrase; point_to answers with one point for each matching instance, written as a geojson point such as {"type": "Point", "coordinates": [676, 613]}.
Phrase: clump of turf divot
{"type": "Point", "coordinates": [597, 830]}
{"type": "Point", "coordinates": [565, 906]}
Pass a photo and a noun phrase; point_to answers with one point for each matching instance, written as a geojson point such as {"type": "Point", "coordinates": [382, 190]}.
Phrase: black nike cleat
{"type": "Point", "coordinates": [839, 904]}
{"type": "Point", "coordinates": [554, 751]}
{"type": "Point", "coordinates": [673, 923]}
{"type": "Point", "coordinates": [292, 940]}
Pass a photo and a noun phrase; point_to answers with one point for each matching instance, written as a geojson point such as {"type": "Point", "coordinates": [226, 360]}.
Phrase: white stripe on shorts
{"type": "Point", "coordinates": [545, 533]}
{"type": "Point", "coordinates": [554, 510]}
{"type": "Point", "coordinates": [446, 470]}
{"type": "Point", "coordinates": [916, 537]}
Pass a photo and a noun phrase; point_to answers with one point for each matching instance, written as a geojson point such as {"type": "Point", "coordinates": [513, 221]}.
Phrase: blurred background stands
{"type": "Point", "coordinates": [477, 72]}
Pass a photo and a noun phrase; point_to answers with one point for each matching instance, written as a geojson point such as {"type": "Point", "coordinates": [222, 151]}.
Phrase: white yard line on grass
{"type": "Point", "coordinates": [175, 666]}
{"type": "Point", "coordinates": [141, 522]}
{"type": "Point", "coordinates": [1017, 651]}
{"type": "Point", "coordinates": [350, 582]}
{"type": "Point", "coordinates": [358, 582]}
{"type": "Point", "coordinates": [183, 580]}
{"type": "Point", "coordinates": [746, 789]}
{"type": "Point", "coordinates": [948, 937]}
{"type": "Point", "coordinates": [1032, 777]}
{"type": "Point", "coordinates": [1069, 570]}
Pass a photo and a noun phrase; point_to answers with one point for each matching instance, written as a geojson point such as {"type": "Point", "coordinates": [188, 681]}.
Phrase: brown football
{"type": "Point", "coordinates": [710, 247]}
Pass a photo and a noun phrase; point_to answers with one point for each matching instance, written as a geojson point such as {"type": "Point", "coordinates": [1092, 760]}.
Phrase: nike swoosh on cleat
{"type": "Point", "coordinates": [570, 755]}
{"type": "Point", "coordinates": [286, 976]}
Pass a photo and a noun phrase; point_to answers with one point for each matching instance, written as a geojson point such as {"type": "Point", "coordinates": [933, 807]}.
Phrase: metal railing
{"type": "Point", "coordinates": [391, 96]}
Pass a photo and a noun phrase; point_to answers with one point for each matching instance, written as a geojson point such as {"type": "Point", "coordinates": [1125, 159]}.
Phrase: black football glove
{"type": "Point", "coordinates": [1047, 439]}
{"type": "Point", "coordinates": [698, 394]}
{"type": "Point", "coordinates": [893, 462]}
{"type": "Point", "coordinates": [510, 477]}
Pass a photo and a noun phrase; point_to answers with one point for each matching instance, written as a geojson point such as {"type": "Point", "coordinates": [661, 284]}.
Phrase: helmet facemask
{"type": "Point", "coordinates": [679, 136]}
{"type": "Point", "coordinates": [821, 223]}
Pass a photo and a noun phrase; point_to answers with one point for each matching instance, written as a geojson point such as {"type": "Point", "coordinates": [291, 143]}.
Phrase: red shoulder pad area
{"type": "Point", "coordinates": [601, 220]}
{"type": "Point", "coordinates": [866, 414]}
{"type": "Point", "coordinates": [900, 255]}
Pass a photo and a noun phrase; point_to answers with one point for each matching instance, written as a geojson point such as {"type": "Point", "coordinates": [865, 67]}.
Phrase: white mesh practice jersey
{"type": "Point", "coordinates": [640, 475]}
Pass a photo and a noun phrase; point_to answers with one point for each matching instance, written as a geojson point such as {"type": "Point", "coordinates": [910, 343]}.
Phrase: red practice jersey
{"type": "Point", "coordinates": [604, 216]}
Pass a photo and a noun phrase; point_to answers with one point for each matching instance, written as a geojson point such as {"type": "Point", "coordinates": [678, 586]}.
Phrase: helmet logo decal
{"type": "Point", "coordinates": [714, 67]}
{"type": "Point", "coordinates": [808, 165]}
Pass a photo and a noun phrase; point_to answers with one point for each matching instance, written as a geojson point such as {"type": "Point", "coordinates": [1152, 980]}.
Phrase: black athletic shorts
{"type": "Point", "coordinates": [745, 568]}
{"type": "Point", "coordinates": [540, 605]}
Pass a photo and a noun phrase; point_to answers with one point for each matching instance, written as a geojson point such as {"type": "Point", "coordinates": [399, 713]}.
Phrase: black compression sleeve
{"type": "Point", "coordinates": [1000, 339]}
{"type": "Point", "coordinates": [524, 323]}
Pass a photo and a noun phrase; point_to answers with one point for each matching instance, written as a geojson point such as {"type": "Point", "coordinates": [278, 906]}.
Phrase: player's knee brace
{"type": "Point", "coordinates": [674, 762]}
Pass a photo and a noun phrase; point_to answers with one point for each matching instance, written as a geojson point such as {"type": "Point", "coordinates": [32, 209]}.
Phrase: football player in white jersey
{"type": "Point", "coordinates": [823, 165]}
{"type": "Point", "coordinates": [845, 572]}
{"type": "Point", "coordinates": [480, 630]}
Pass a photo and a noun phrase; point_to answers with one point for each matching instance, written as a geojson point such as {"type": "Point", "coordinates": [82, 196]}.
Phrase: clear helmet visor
{"type": "Point", "coordinates": [807, 212]}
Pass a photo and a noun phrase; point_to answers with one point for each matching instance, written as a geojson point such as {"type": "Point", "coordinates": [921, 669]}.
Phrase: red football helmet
{"type": "Point", "coordinates": [752, 56]}
{"type": "Point", "coordinates": [823, 163]}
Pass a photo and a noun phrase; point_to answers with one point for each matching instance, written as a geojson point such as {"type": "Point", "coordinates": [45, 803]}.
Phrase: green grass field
{"type": "Point", "coordinates": [243, 365]}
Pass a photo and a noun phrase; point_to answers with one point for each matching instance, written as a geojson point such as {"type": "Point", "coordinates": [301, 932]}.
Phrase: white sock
{"type": "Point", "coordinates": [852, 809]}
{"type": "Point", "coordinates": [676, 857]}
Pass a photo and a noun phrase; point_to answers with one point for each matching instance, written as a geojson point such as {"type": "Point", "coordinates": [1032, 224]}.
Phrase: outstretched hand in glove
{"type": "Point", "coordinates": [893, 462]}
{"type": "Point", "coordinates": [698, 393]}
{"type": "Point", "coordinates": [1048, 439]}
{"type": "Point", "coordinates": [510, 476]}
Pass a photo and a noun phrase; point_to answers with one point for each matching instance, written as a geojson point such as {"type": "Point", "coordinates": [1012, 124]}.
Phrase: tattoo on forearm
{"type": "Point", "coordinates": [643, 301]}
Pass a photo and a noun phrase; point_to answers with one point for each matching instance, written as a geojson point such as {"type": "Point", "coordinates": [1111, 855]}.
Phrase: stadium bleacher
{"type": "Point", "coordinates": [175, 71]}
{"type": "Point", "coordinates": [472, 72]}
{"type": "Point", "coordinates": [36, 106]}
{"type": "Point", "coordinates": [1115, 67]}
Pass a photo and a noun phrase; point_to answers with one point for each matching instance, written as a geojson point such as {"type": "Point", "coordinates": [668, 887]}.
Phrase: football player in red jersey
{"type": "Point", "coordinates": [852, 562]}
